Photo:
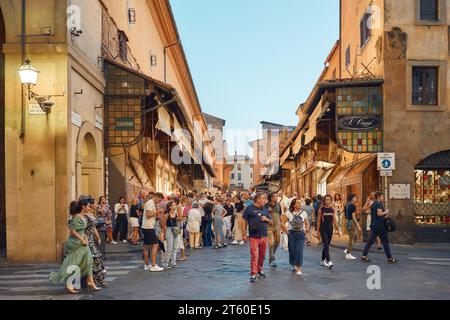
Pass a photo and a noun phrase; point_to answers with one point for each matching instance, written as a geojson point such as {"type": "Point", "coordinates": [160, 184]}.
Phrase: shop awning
{"type": "Point", "coordinates": [128, 174]}
{"type": "Point", "coordinates": [285, 155]}
{"type": "Point", "coordinates": [297, 144]}
{"type": "Point", "coordinates": [325, 175]}
{"type": "Point", "coordinates": [341, 174]}
{"type": "Point", "coordinates": [142, 176]}
{"type": "Point", "coordinates": [184, 186]}
{"type": "Point", "coordinates": [164, 119]}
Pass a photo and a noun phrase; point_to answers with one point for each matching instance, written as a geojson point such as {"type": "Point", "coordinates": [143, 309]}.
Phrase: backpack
{"type": "Point", "coordinates": [390, 225]}
{"type": "Point", "coordinates": [297, 222]}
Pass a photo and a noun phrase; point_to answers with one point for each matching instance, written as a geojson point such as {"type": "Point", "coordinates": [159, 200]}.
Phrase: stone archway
{"type": "Point", "coordinates": [89, 165]}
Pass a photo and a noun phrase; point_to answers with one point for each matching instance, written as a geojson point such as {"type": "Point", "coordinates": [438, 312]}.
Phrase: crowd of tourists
{"type": "Point", "coordinates": [169, 224]}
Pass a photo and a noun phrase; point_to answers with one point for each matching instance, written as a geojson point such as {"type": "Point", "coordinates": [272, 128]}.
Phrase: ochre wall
{"type": "Point", "coordinates": [413, 135]}
{"type": "Point", "coordinates": [37, 165]}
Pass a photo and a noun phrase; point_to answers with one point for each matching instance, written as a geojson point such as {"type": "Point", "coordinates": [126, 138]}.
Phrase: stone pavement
{"type": "Point", "coordinates": [224, 274]}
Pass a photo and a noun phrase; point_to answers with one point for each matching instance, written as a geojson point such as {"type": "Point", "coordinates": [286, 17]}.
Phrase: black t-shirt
{"type": "Point", "coordinates": [257, 228]}
{"type": "Point", "coordinates": [349, 211]}
{"type": "Point", "coordinates": [171, 222]}
{"type": "Point", "coordinates": [134, 210]}
{"type": "Point", "coordinates": [239, 206]}
{"type": "Point", "coordinates": [229, 210]}
{"type": "Point", "coordinates": [327, 218]}
{"type": "Point", "coordinates": [376, 220]}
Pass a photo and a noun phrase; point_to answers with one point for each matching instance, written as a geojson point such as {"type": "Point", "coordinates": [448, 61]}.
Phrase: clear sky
{"type": "Point", "coordinates": [255, 60]}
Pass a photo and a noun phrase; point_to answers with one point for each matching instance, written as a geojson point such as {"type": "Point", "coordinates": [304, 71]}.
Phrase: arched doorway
{"type": "Point", "coordinates": [88, 157]}
{"type": "Point", "coordinates": [2, 141]}
{"type": "Point", "coordinates": [432, 198]}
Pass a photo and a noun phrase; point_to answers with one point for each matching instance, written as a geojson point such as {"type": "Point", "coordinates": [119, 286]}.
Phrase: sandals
{"type": "Point", "coordinates": [392, 260]}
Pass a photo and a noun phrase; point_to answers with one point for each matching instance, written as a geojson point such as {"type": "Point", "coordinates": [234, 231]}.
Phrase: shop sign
{"type": "Point", "coordinates": [124, 124]}
{"type": "Point", "coordinates": [359, 114]}
{"type": "Point", "coordinates": [400, 191]}
{"type": "Point", "coordinates": [359, 123]}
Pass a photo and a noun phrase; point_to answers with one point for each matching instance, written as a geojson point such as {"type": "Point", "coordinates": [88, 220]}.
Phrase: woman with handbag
{"type": "Point", "coordinates": [104, 212]}
{"type": "Point", "coordinates": [171, 228]}
{"type": "Point", "coordinates": [135, 214]}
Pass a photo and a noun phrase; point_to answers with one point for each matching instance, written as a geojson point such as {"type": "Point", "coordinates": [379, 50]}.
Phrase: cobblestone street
{"type": "Point", "coordinates": [224, 274]}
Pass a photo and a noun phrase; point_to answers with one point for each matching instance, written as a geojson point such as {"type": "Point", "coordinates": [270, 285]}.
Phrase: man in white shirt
{"type": "Point", "coordinates": [151, 240]}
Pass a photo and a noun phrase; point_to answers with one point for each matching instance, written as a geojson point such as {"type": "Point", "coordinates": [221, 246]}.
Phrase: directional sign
{"type": "Point", "coordinates": [386, 161]}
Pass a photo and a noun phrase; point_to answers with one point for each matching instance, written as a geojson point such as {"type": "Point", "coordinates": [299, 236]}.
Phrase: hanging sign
{"type": "Point", "coordinates": [359, 123]}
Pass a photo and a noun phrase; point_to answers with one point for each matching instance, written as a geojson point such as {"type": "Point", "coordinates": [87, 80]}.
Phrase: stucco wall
{"type": "Point", "coordinates": [413, 135]}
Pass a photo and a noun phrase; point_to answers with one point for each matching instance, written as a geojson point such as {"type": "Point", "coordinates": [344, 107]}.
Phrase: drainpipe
{"type": "Point", "coordinates": [22, 127]}
{"type": "Point", "coordinates": [165, 58]}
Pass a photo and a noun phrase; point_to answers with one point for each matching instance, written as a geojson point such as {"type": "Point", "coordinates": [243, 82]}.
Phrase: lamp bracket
{"type": "Point", "coordinates": [44, 101]}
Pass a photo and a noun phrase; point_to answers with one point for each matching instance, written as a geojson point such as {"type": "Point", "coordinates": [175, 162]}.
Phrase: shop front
{"type": "Point", "coordinates": [432, 198]}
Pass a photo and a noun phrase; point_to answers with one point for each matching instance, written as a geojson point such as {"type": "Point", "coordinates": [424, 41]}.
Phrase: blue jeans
{"type": "Point", "coordinates": [296, 243]}
{"type": "Point", "coordinates": [207, 235]}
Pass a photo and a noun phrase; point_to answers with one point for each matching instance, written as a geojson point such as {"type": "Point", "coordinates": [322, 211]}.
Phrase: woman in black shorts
{"type": "Point", "coordinates": [326, 220]}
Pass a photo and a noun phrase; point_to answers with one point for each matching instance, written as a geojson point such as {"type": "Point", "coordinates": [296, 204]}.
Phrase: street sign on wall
{"type": "Point", "coordinates": [400, 191]}
{"type": "Point", "coordinates": [386, 162]}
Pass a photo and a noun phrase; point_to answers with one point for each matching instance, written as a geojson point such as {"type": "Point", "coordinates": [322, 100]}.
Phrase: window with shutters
{"type": "Point", "coordinates": [347, 57]}
{"type": "Point", "coordinates": [425, 85]}
{"type": "Point", "coordinates": [365, 29]}
{"type": "Point", "coordinates": [123, 47]}
{"type": "Point", "coordinates": [429, 10]}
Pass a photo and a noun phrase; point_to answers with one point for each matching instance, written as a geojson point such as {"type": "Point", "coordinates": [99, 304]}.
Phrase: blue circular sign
{"type": "Point", "coordinates": [386, 164]}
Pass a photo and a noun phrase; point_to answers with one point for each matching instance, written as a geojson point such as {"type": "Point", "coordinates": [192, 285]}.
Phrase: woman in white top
{"type": "Point", "coordinates": [121, 210]}
{"type": "Point", "coordinates": [297, 227]}
{"type": "Point", "coordinates": [193, 226]}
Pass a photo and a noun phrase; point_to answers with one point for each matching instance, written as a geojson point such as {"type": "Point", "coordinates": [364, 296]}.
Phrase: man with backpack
{"type": "Point", "coordinates": [352, 225]}
{"type": "Point", "coordinates": [378, 226]}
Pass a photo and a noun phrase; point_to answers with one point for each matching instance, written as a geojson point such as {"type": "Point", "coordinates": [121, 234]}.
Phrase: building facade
{"type": "Point", "coordinates": [383, 89]}
{"type": "Point", "coordinates": [125, 107]}
{"type": "Point", "coordinates": [221, 167]}
{"type": "Point", "coordinates": [241, 174]}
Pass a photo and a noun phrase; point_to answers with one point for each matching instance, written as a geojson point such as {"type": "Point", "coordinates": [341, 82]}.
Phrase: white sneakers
{"type": "Point", "coordinates": [124, 241]}
{"type": "Point", "coordinates": [234, 243]}
{"type": "Point", "coordinates": [156, 268]}
{"type": "Point", "coordinates": [349, 256]}
{"type": "Point", "coordinates": [345, 251]}
{"type": "Point", "coordinates": [113, 242]}
{"type": "Point", "coordinates": [241, 243]}
{"type": "Point", "coordinates": [327, 264]}
{"type": "Point", "coordinates": [299, 273]}
{"type": "Point", "coordinates": [146, 267]}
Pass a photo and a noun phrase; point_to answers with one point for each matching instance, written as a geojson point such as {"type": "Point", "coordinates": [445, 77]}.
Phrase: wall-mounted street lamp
{"type": "Point", "coordinates": [28, 76]}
